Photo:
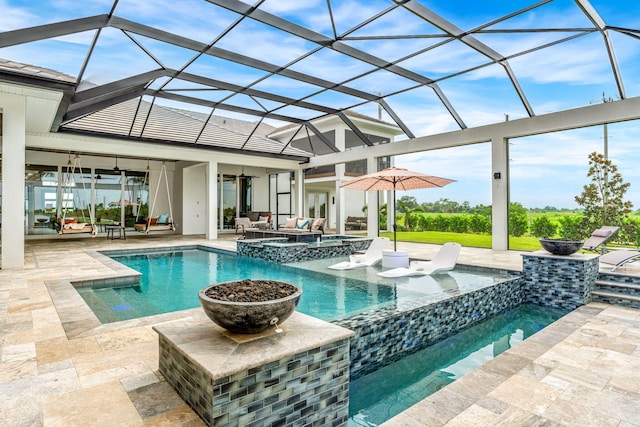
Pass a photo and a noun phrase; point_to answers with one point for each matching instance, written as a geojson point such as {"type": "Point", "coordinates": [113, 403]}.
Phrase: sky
{"type": "Point", "coordinates": [546, 170]}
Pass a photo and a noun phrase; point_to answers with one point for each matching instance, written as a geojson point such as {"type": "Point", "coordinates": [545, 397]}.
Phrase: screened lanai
{"type": "Point", "coordinates": [253, 80]}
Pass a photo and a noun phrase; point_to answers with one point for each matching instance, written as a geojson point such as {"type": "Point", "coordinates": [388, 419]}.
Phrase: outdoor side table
{"type": "Point", "coordinates": [111, 232]}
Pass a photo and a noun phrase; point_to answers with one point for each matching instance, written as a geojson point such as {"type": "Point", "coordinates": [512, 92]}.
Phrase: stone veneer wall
{"type": "Point", "coordinates": [312, 386]}
{"type": "Point", "coordinates": [564, 282]}
{"type": "Point", "coordinates": [383, 336]}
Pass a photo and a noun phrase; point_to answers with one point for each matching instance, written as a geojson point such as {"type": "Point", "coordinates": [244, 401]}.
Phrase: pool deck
{"type": "Point", "coordinates": [582, 370]}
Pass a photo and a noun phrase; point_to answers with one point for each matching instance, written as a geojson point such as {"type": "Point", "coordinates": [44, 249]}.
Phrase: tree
{"type": "Point", "coordinates": [407, 210]}
{"type": "Point", "coordinates": [409, 201]}
{"type": "Point", "coordinates": [603, 199]}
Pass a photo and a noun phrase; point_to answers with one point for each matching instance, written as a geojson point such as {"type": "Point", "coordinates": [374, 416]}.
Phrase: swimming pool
{"type": "Point", "coordinates": [171, 280]}
{"type": "Point", "coordinates": [380, 395]}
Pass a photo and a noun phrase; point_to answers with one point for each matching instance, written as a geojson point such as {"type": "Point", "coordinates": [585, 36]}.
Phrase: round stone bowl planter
{"type": "Point", "coordinates": [249, 306]}
{"type": "Point", "coordinates": [561, 247]}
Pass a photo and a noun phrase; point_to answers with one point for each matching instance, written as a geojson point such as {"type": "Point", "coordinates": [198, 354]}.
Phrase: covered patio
{"type": "Point", "coordinates": [269, 106]}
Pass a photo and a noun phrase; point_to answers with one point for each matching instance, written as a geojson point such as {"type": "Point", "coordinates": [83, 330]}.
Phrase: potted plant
{"type": "Point", "coordinates": [249, 306]}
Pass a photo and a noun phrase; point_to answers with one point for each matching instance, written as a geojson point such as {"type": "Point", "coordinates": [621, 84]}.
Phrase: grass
{"type": "Point", "coordinates": [471, 240]}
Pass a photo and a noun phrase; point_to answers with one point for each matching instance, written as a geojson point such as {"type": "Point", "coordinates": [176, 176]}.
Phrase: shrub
{"type": "Point", "coordinates": [459, 223]}
{"type": "Point", "coordinates": [571, 227]}
{"type": "Point", "coordinates": [425, 223]}
{"type": "Point", "coordinates": [543, 228]}
{"type": "Point", "coordinates": [480, 224]}
{"type": "Point", "coordinates": [518, 222]}
{"type": "Point", "coordinates": [441, 223]}
{"type": "Point", "coordinates": [629, 232]}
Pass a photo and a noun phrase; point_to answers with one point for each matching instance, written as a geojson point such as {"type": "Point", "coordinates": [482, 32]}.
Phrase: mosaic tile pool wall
{"type": "Point", "coordinates": [312, 386]}
{"type": "Point", "coordinates": [564, 282]}
{"type": "Point", "coordinates": [385, 335]}
{"type": "Point", "coordinates": [282, 251]}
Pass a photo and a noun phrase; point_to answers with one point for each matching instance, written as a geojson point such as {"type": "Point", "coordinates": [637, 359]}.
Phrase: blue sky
{"type": "Point", "coordinates": [545, 169]}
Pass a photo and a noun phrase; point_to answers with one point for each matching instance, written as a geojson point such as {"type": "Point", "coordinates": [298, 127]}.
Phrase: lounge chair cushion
{"type": "Point", "coordinates": [619, 258]}
{"type": "Point", "coordinates": [601, 233]}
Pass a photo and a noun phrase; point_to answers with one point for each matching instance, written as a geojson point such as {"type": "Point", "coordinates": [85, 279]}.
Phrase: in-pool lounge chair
{"type": "Point", "coordinates": [372, 255]}
{"type": "Point", "coordinates": [445, 260]}
{"type": "Point", "coordinates": [619, 258]}
{"type": "Point", "coordinates": [598, 240]}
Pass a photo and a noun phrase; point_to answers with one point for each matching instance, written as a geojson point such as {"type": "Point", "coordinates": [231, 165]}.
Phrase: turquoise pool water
{"type": "Point", "coordinates": [377, 397]}
{"type": "Point", "coordinates": [170, 282]}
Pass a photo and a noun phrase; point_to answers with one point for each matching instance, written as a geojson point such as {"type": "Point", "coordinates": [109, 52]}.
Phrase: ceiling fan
{"type": "Point", "coordinates": [243, 176]}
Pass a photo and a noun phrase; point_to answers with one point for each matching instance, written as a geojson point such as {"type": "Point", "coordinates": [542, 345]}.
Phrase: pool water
{"type": "Point", "coordinates": [377, 397]}
{"type": "Point", "coordinates": [170, 282]}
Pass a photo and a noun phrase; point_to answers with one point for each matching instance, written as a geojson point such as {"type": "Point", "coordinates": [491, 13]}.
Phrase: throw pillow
{"type": "Point", "coordinates": [317, 224]}
{"type": "Point", "coordinates": [302, 223]}
{"type": "Point", "coordinates": [291, 223]}
{"type": "Point", "coordinates": [163, 219]}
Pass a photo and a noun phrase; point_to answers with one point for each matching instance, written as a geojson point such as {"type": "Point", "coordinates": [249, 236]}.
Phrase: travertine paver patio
{"type": "Point", "coordinates": [582, 370]}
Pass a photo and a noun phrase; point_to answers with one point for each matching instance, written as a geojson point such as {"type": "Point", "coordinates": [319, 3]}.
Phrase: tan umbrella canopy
{"type": "Point", "coordinates": [395, 179]}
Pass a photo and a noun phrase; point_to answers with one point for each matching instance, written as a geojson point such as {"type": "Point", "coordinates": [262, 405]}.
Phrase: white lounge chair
{"type": "Point", "coordinates": [372, 255]}
{"type": "Point", "coordinates": [445, 260]}
{"type": "Point", "coordinates": [619, 258]}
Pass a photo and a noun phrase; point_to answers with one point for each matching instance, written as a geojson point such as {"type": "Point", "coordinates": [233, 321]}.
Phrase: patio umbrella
{"type": "Point", "coordinates": [395, 179]}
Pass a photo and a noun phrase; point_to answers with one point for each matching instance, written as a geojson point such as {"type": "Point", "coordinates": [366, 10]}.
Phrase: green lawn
{"type": "Point", "coordinates": [471, 240]}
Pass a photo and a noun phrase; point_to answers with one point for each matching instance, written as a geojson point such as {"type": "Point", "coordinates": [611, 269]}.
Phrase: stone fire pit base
{"type": "Point", "coordinates": [239, 379]}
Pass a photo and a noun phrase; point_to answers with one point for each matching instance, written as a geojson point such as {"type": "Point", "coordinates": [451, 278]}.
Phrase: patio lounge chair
{"type": "Point", "coordinates": [597, 241]}
{"type": "Point", "coordinates": [445, 260]}
{"type": "Point", "coordinates": [619, 258]}
{"type": "Point", "coordinates": [372, 256]}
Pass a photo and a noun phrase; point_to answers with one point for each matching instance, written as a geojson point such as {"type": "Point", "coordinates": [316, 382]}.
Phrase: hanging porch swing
{"type": "Point", "coordinates": [68, 224]}
{"type": "Point", "coordinates": [161, 222]}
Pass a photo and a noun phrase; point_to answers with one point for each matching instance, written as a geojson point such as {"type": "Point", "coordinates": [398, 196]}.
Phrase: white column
{"type": "Point", "coordinates": [340, 200]}
{"type": "Point", "coordinates": [13, 160]}
{"type": "Point", "coordinates": [212, 201]}
{"type": "Point", "coordinates": [500, 193]}
{"type": "Point", "coordinates": [299, 177]}
{"type": "Point", "coordinates": [372, 203]}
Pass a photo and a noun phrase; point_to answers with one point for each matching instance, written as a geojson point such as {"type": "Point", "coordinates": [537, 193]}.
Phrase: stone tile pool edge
{"type": "Point", "coordinates": [77, 318]}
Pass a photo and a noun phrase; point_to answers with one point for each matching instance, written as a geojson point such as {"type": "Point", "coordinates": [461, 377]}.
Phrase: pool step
{"type": "Point", "coordinates": [618, 293]}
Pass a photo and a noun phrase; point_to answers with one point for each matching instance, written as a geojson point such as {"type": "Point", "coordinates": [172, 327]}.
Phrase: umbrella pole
{"type": "Point", "coordinates": [394, 219]}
